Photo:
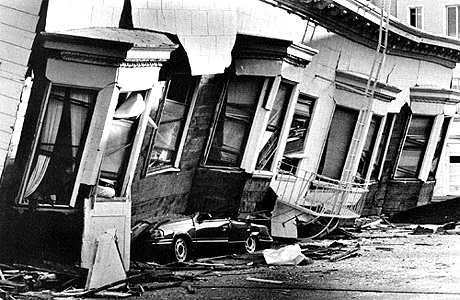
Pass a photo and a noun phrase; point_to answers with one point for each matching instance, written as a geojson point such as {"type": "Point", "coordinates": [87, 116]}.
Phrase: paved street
{"type": "Point", "coordinates": [389, 266]}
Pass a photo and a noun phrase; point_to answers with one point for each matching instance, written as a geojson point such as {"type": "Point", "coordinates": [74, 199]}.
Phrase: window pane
{"type": "Point", "coordinates": [299, 126]}
{"type": "Point", "coordinates": [383, 141]}
{"type": "Point", "coordinates": [170, 117]}
{"type": "Point", "coordinates": [273, 130]}
{"type": "Point", "coordinates": [169, 131]}
{"type": "Point", "coordinates": [60, 145]}
{"type": "Point", "coordinates": [413, 17]}
{"type": "Point", "coordinates": [414, 147]}
{"type": "Point", "coordinates": [439, 148]}
{"type": "Point", "coordinates": [235, 121]}
{"type": "Point", "coordinates": [363, 166]}
{"type": "Point", "coordinates": [452, 21]}
{"type": "Point", "coordinates": [118, 146]}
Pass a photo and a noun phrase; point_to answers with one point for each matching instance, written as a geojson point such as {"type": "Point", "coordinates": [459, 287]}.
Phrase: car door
{"type": "Point", "coordinates": [211, 233]}
{"type": "Point", "coordinates": [238, 232]}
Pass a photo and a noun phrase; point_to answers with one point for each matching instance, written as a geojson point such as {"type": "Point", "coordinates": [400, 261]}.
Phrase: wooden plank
{"type": "Point", "coordinates": [12, 70]}
{"type": "Point", "coordinates": [14, 53]}
{"type": "Point", "coordinates": [10, 88]}
{"type": "Point", "coordinates": [8, 106]}
{"type": "Point", "coordinates": [11, 76]}
{"type": "Point", "coordinates": [6, 123]}
{"type": "Point", "coordinates": [107, 266]}
{"type": "Point", "coordinates": [15, 36]}
{"type": "Point", "coordinates": [18, 19]}
{"type": "Point", "coordinates": [29, 6]}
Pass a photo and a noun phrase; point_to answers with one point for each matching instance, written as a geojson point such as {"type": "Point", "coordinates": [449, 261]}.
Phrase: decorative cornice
{"type": "Point", "coordinates": [429, 94]}
{"type": "Point", "coordinates": [356, 83]}
{"type": "Point", "coordinates": [94, 59]}
{"type": "Point", "coordinates": [360, 23]}
{"type": "Point", "coordinates": [255, 47]}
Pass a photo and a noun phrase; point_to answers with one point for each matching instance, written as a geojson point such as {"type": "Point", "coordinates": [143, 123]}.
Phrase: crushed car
{"type": "Point", "coordinates": [179, 240]}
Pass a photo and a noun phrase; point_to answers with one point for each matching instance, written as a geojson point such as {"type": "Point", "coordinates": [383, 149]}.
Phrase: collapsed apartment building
{"type": "Point", "coordinates": [117, 111]}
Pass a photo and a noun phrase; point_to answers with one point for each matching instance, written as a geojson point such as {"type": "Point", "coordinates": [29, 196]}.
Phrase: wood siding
{"type": "Point", "coordinates": [18, 22]}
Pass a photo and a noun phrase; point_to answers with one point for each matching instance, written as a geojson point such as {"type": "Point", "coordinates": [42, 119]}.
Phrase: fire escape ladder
{"type": "Point", "coordinates": [365, 114]}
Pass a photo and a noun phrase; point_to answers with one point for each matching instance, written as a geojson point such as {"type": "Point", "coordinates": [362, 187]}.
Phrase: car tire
{"type": "Point", "coordinates": [250, 244]}
{"type": "Point", "coordinates": [180, 249]}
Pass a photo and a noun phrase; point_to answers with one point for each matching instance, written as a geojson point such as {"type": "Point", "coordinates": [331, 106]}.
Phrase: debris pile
{"type": "Point", "coordinates": [48, 280]}
{"type": "Point", "coordinates": [382, 227]}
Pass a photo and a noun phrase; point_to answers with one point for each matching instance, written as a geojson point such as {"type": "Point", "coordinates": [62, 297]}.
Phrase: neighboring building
{"type": "Point", "coordinates": [441, 18]}
{"type": "Point", "coordinates": [145, 109]}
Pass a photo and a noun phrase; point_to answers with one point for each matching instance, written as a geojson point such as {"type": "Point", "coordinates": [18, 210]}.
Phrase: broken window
{"type": "Point", "coordinates": [338, 142]}
{"type": "Point", "coordinates": [415, 144]}
{"type": "Point", "coordinates": [171, 117]}
{"type": "Point", "coordinates": [377, 168]}
{"type": "Point", "coordinates": [298, 131]}
{"type": "Point", "coordinates": [59, 146]}
{"type": "Point", "coordinates": [275, 123]}
{"type": "Point", "coordinates": [119, 142]}
{"type": "Point", "coordinates": [439, 148]}
{"type": "Point", "coordinates": [235, 114]}
{"type": "Point", "coordinates": [364, 162]}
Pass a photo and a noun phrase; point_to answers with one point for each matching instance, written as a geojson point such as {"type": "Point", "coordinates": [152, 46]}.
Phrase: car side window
{"type": "Point", "coordinates": [203, 217]}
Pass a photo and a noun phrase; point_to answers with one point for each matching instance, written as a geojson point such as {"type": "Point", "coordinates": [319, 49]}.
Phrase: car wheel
{"type": "Point", "coordinates": [250, 244]}
{"type": "Point", "coordinates": [180, 248]}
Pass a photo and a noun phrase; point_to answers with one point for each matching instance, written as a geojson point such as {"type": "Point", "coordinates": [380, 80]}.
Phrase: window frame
{"type": "Point", "coordinates": [191, 98]}
{"type": "Point", "coordinates": [352, 112]}
{"type": "Point", "coordinates": [423, 152]}
{"type": "Point", "coordinates": [456, 21]}
{"type": "Point", "coordinates": [21, 200]}
{"type": "Point", "coordinates": [303, 102]}
{"type": "Point", "coordinates": [263, 97]}
{"type": "Point", "coordinates": [370, 148]}
{"type": "Point", "coordinates": [417, 12]}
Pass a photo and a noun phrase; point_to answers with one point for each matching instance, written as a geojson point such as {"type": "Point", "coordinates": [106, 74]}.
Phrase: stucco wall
{"type": "Point", "coordinates": [336, 52]}
{"type": "Point", "coordinates": [206, 29]}
{"type": "Point", "coordinates": [434, 13]}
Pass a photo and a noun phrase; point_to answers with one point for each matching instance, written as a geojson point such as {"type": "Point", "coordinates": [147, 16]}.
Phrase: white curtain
{"type": "Point", "coordinates": [78, 117]}
{"type": "Point", "coordinates": [47, 139]}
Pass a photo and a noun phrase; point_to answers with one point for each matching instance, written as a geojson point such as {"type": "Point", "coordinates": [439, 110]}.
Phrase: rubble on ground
{"type": "Point", "coordinates": [47, 280]}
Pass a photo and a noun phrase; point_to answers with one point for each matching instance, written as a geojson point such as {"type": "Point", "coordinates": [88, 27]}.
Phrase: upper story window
{"type": "Point", "coordinates": [171, 117]}
{"type": "Point", "coordinates": [235, 113]}
{"type": "Point", "coordinates": [63, 131]}
{"type": "Point", "coordinates": [415, 17]}
{"type": "Point", "coordinates": [455, 83]}
{"type": "Point", "coordinates": [453, 24]}
{"type": "Point", "coordinates": [414, 148]}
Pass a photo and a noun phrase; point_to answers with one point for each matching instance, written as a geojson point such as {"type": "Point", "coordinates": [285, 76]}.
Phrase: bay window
{"type": "Point", "coordinates": [414, 147]}
{"type": "Point", "coordinates": [298, 131]}
{"type": "Point", "coordinates": [63, 130]}
{"type": "Point", "coordinates": [234, 118]}
{"type": "Point", "coordinates": [171, 118]}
